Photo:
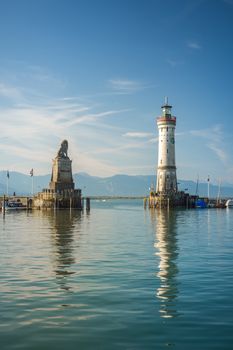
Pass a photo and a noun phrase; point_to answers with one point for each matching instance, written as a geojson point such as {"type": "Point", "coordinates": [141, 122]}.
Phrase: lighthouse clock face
{"type": "Point", "coordinates": [172, 140]}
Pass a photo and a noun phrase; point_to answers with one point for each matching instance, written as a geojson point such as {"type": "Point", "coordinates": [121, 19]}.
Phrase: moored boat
{"type": "Point", "coordinates": [14, 204]}
{"type": "Point", "coordinates": [201, 203]}
{"type": "Point", "coordinates": [229, 203]}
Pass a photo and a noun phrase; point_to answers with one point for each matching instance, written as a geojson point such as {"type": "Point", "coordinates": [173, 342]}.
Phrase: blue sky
{"type": "Point", "coordinates": [96, 73]}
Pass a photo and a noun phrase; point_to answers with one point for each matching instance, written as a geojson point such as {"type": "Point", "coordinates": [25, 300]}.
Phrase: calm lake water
{"type": "Point", "coordinates": [120, 277]}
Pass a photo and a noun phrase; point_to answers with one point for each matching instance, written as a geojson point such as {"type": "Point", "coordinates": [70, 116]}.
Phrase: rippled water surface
{"type": "Point", "coordinates": [119, 277]}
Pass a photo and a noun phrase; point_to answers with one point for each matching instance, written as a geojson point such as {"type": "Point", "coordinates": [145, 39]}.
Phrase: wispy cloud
{"type": "Point", "coordinates": [33, 128]}
{"type": "Point", "coordinates": [153, 140]}
{"type": "Point", "coordinates": [137, 134]}
{"type": "Point", "coordinates": [41, 75]}
{"type": "Point", "coordinates": [174, 63]}
{"type": "Point", "coordinates": [10, 92]}
{"type": "Point", "coordinates": [194, 45]}
{"type": "Point", "coordinates": [126, 86]}
{"type": "Point", "coordinates": [35, 120]}
{"type": "Point", "coordinates": [214, 137]}
{"type": "Point", "coordinates": [213, 133]}
{"type": "Point", "coordinates": [93, 117]}
{"type": "Point", "coordinates": [119, 148]}
{"type": "Point", "coordinates": [221, 154]}
{"type": "Point", "coordinates": [42, 131]}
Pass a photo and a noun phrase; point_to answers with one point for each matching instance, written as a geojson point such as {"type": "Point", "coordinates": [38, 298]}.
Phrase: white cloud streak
{"type": "Point", "coordinates": [174, 63]}
{"type": "Point", "coordinates": [221, 154]}
{"type": "Point", "coordinates": [137, 134]}
{"type": "Point", "coordinates": [31, 133]}
{"type": "Point", "coordinates": [126, 86]}
{"type": "Point", "coordinates": [214, 136]}
{"type": "Point", "coordinates": [10, 92]}
{"type": "Point", "coordinates": [194, 45]}
{"type": "Point", "coordinates": [153, 140]}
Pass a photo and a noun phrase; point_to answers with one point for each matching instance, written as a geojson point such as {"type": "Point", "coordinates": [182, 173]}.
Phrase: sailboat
{"type": "Point", "coordinates": [197, 185]}
{"type": "Point", "coordinates": [200, 202]}
{"type": "Point", "coordinates": [219, 203]}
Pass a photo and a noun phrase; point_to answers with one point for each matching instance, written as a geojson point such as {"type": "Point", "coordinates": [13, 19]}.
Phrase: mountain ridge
{"type": "Point", "coordinates": [116, 185]}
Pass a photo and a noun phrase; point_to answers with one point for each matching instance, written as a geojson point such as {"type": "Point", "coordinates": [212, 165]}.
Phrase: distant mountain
{"type": "Point", "coordinates": [117, 185]}
{"type": "Point", "coordinates": [121, 185]}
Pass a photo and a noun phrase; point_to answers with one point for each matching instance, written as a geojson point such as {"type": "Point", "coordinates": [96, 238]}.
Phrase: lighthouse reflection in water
{"type": "Point", "coordinates": [166, 245]}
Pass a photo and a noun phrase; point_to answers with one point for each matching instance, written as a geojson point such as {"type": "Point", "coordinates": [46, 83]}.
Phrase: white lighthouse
{"type": "Point", "coordinates": [166, 172]}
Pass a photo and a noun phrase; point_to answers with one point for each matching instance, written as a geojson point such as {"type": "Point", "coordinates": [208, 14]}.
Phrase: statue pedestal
{"type": "Point", "coordinates": [62, 178]}
{"type": "Point", "coordinates": [61, 193]}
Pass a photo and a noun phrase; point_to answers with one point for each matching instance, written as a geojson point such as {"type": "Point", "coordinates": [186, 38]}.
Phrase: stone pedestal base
{"type": "Point", "coordinates": [61, 175]}
{"type": "Point", "coordinates": [49, 199]}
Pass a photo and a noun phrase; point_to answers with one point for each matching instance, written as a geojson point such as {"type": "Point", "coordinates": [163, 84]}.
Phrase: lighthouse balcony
{"type": "Point", "coordinates": [167, 119]}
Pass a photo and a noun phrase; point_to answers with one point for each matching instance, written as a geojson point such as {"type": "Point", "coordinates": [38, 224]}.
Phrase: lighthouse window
{"type": "Point", "coordinates": [167, 129]}
{"type": "Point", "coordinates": [161, 161]}
{"type": "Point", "coordinates": [167, 150]}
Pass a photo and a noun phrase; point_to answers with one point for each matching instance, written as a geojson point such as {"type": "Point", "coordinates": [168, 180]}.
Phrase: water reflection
{"type": "Point", "coordinates": [64, 224]}
{"type": "Point", "coordinates": [166, 247]}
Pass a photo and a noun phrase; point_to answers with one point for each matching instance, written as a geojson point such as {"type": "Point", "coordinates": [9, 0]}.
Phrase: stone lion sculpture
{"type": "Point", "coordinates": [62, 153]}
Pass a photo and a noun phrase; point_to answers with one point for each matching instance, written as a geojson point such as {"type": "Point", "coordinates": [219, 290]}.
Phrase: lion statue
{"type": "Point", "coordinates": [62, 153]}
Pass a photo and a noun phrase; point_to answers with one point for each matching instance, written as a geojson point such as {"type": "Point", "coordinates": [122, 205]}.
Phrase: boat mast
{"type": "Point", "coordinates": [219, 186]}
{"type": "Point", "coordinates": [197, 185]}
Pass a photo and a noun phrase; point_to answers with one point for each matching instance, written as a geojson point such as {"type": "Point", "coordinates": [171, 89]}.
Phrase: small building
{"type": "Point", "coordinates": [61, 193]}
